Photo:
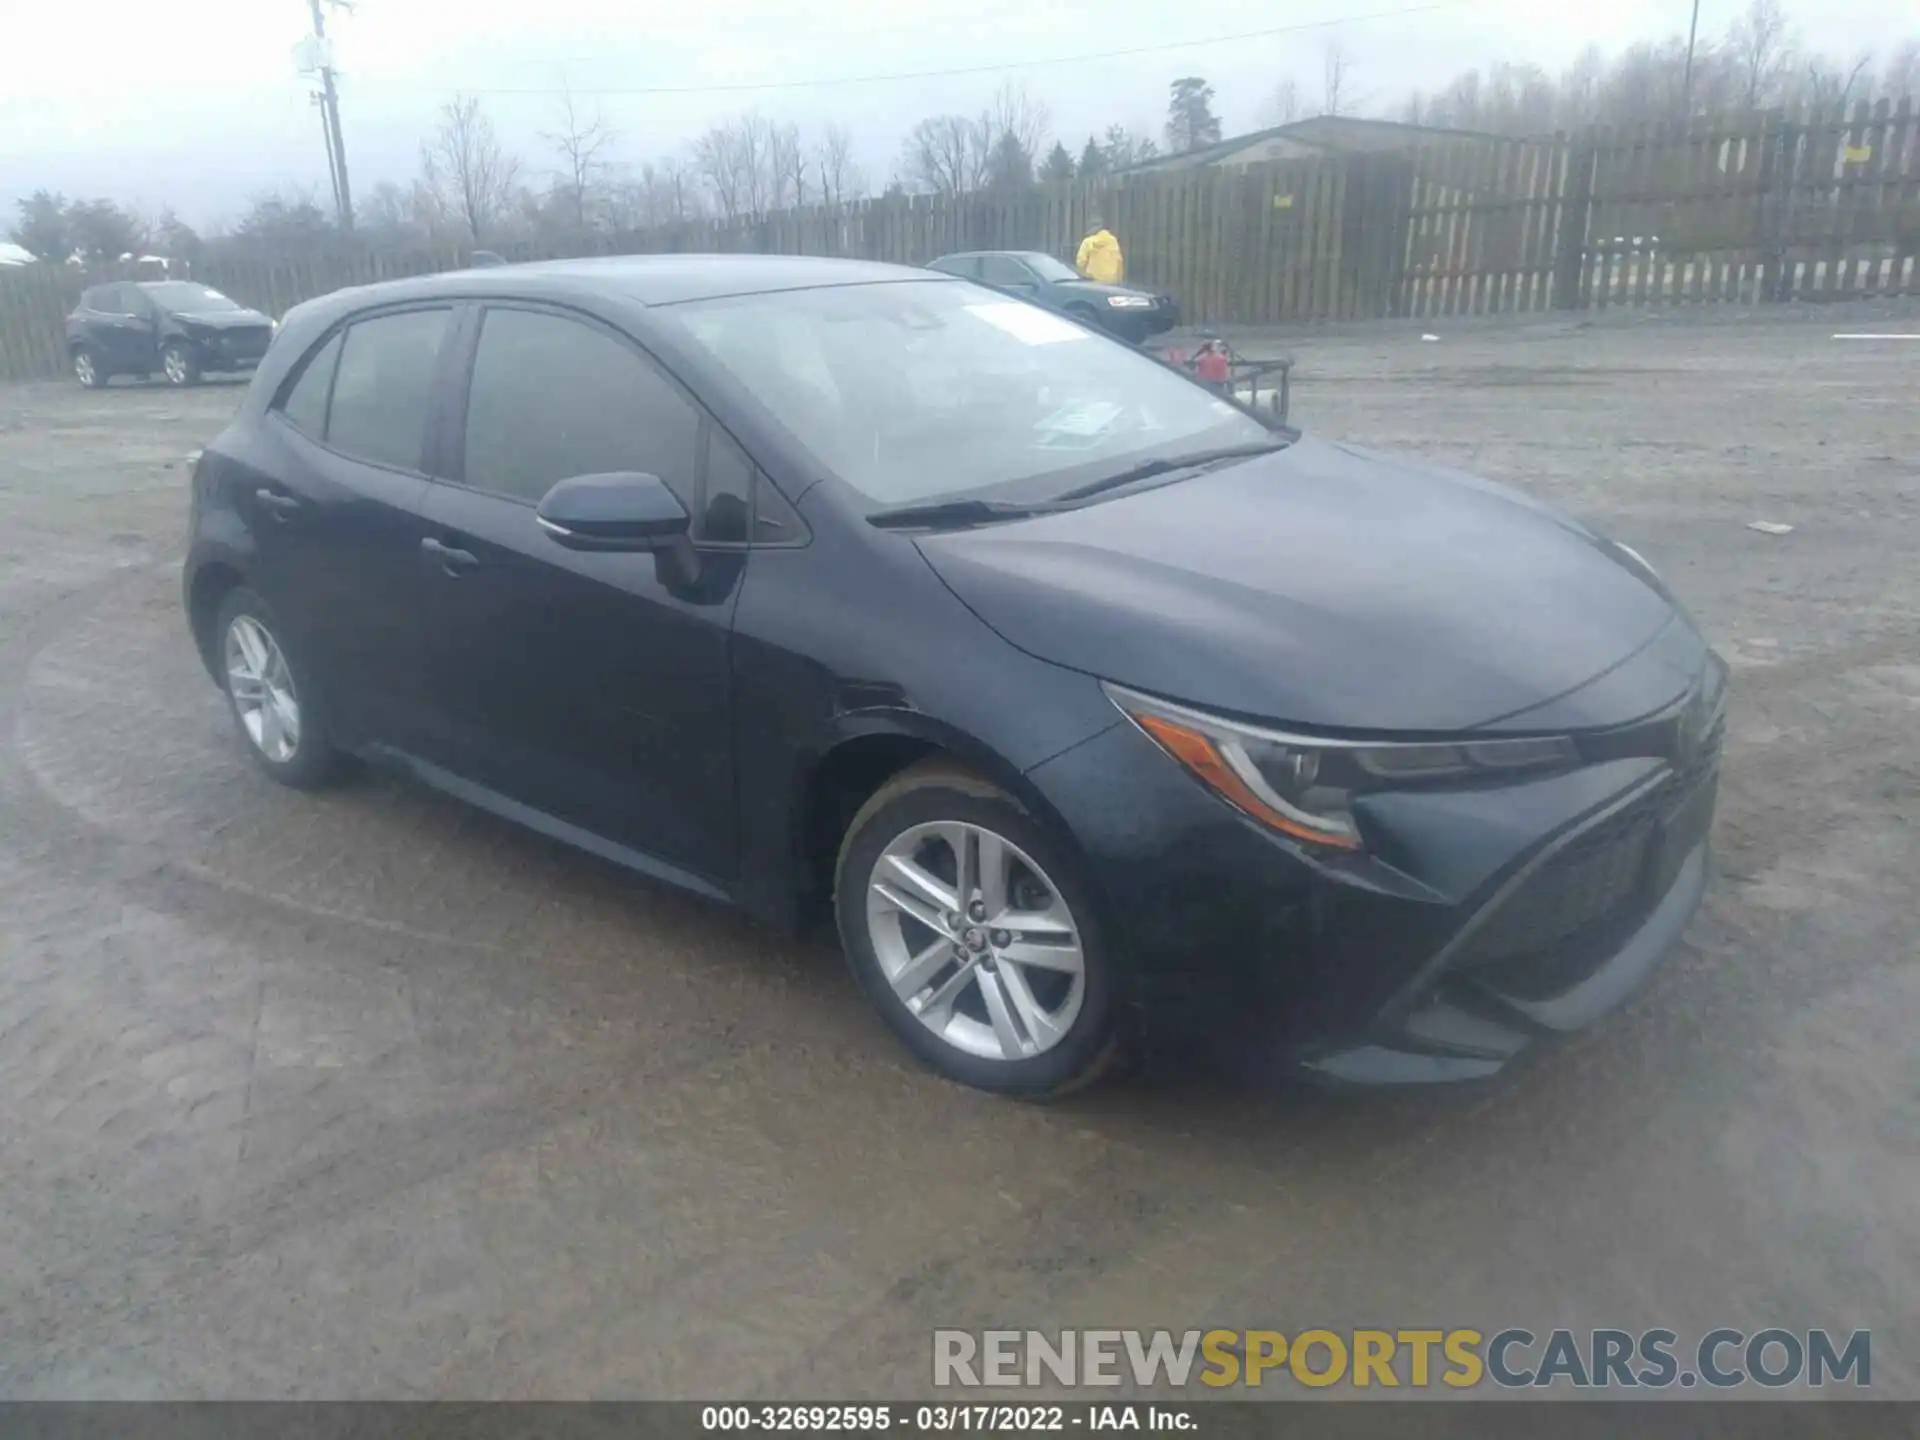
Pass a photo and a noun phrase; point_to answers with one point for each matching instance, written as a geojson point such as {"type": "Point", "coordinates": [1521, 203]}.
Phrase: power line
{"type": "Point", "coordinates": [890, 78]}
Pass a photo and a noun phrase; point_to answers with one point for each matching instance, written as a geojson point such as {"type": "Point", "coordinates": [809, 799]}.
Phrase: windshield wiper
{"type": "Point", "coordinates": [1148, 469]}
{"type": "Point", "coordinates": [951, 512]}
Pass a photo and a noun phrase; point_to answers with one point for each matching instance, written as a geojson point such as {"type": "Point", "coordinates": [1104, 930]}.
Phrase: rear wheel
{"type": "Point", "coordinates": [972, 935]}
{"type": "Point", "coordinates": [273, 696]}
{"type": "Point", "coordinates": [88, 370]}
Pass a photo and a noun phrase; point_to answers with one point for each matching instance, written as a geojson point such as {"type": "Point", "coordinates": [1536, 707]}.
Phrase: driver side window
{"type": "Point", "coordinates": [553, 398]}
{"type": "Point", "coordinates": [1004, 270]}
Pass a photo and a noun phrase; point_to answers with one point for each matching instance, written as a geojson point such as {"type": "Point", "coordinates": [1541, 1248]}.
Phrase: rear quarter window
{"type": "Point", "coordinates": [306, 404]}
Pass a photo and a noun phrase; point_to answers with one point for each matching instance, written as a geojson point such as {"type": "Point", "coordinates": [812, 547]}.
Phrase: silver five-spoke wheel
{"type": "Point", "coordinates": [976, 940]}
{"type": "Point", "coordinates": [175, 364]}
{"type": "Point", "coordinates": [262, 689]}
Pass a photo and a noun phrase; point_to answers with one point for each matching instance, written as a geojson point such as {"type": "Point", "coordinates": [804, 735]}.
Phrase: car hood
{"type": "Point", "coordinates": [1096, 287]}
{"type": "Point", "coordinates": [1322, 586]}
{"type": "Point", "coordinates": [221, 319]}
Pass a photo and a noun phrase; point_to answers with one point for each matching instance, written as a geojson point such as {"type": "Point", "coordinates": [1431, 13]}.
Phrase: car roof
{"type": "Point", "coordinates": [648, 279]}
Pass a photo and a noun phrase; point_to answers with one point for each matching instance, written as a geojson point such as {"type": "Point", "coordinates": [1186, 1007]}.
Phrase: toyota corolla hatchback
{"type": "Point", "coordinates": [1094, 707]}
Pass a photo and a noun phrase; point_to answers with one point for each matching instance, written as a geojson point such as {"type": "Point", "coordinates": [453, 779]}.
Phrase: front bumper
{"type": "Point", "coordinates": [1480, 920]}
{"type": "Point", "coordinates": [1466, 1027]}
{"type": "Point", "coordinates": [1137, 325]}
{"type": "Point", "coordinates": [224, 355]}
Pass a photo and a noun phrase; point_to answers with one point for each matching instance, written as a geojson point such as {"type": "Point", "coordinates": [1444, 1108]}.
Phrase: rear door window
{"type": "Point", "coordinates": [383, 387]}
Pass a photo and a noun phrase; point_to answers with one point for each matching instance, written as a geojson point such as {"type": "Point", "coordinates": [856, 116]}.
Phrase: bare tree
{"type": "Point", "coordinates": [1758, 42]}
{"type": "Point", "coordinates": [1901, 74]}
{"type": "Point", "coordinates": [663, 192]}
{"type": "Point", "coordinates": [840, 177]}
{"type": "Point", "coordinates": [1830, 86]}
{"type": "Point", "coordinates": [787, 166]}
{"type": "Point", "coordinates": [737, 161]}
{"type": "Point", "coordinates": [1336, 70]}
{"type": "Point", "coordinates": [947, 154]}
{"type": "Point", "coordinates": [464, 166]}
{"type": "Point", "coordinates": [579, 142]}
{"type": "Point", "coordinates": [1122, 148]}
{"type": "Point", "coordinates": [1283, 106]}
{"type": "Point", "coordinates": [1016, 112]}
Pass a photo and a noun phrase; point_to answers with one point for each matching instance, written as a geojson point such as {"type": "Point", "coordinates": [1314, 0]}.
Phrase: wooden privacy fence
{"type": "Point", "coordinates": [1750, 209]}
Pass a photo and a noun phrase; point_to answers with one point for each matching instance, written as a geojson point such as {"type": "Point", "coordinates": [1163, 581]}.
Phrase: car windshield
{"type": "Point", "coordinates": [187, 298]}
{"type": "Point", "coordinates": [1047, 267]}
{"type": "Point", "coordinates": [942, 390]}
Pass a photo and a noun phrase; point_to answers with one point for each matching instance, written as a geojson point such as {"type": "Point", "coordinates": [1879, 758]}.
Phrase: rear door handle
{"type": "Point", "coordinates": [454, 562]}
{"type": "Point", "coordinates": [278, 505]}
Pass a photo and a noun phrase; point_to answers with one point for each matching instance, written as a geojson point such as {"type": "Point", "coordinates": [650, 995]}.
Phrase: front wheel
{"type": "Point", "coordinates": [972, 934]}
{"type": "Point", "coordinates": [179, 365]}
{"type": "Point", "coordinates": [88, 370]}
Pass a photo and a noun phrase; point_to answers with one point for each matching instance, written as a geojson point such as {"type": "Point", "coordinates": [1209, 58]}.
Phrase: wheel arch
{"type": "Point", "coordinates": [837, 779]}
{"type": "Point", "coordinates": [207, 589]}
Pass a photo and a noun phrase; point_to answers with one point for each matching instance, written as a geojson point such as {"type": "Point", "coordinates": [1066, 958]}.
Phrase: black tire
{"type": "Point", "coordinates": [88, 370]}
{"type": "Point", "coordinates": [315, 762]}
{"type": "Point", "coordinates": [939, 790]}
{"type": "Point", "coordinates": [187, 369]}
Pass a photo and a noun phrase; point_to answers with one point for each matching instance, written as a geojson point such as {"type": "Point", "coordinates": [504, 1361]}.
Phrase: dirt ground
{"type": "Point", "coordinates": [367, 1095]}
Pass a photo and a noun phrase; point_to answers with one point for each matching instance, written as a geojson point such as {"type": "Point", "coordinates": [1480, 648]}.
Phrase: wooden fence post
{"type": "Point", "coordinates": [1779, 148]}
{"type": "Point", "coordinates": [1576, 199]}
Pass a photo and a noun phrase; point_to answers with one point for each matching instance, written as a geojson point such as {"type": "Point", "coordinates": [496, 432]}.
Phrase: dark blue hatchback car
{"type": "Point", "coordinates": [1094, 706]}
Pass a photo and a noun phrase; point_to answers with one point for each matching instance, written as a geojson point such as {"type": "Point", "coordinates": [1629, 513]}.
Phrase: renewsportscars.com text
{"type": "Point", "coordinates": [1458, 1359]}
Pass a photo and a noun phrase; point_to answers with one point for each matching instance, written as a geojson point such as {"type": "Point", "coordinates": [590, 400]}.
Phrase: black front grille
{"type": "Point", "coordinates": [1582, 889]}
{"type": "Point", "coordinates": [1581, 905]}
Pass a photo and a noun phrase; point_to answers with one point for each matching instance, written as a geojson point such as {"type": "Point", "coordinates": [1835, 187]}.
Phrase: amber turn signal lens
{"type": "Point", "coordinates": [1197, 753]}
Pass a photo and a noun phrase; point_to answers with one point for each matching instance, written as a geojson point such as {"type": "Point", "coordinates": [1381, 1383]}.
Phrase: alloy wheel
{"type": "Point", "coordinates": [176, 367]}
{"type": "Point", "coordinates": [976, 941]}
{"type": "Point", "coordinates": [83, 370]}
{"type": "Point", "coordinates": [262, 689]}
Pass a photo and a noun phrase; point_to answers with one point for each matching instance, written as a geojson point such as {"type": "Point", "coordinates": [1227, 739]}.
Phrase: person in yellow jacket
{"type": "Point", "coordinates": [1099, 256]}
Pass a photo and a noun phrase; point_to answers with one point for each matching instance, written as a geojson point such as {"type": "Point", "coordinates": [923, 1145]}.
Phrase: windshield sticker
{"type": "Point", "coordinates": [1029, 323]}
{"type": "Point", "coordinates": [1083, 421]}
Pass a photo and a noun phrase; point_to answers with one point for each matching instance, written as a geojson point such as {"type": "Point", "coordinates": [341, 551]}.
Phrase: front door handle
{"type": "Point", "coordinates": [278, 505]}
{"type": "Point", "coordinates": [454, 562]}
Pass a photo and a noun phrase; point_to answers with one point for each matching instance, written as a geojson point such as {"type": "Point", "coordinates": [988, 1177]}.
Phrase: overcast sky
{"type": "Point", "coordinates": [199, 105]}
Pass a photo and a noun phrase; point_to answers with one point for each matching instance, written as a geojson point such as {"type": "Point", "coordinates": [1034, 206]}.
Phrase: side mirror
{"type": "Point", "coordinates": [624, 510]}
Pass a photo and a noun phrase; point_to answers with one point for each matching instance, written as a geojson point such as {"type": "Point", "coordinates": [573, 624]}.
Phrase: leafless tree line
{"type": "Point", "coordinates": [1757, 63]}
{"type": "Point", "coordinates": [998, 147]}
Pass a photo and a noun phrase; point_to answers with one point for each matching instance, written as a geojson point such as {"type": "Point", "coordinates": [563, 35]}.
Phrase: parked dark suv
{"type": "Point", "coordinates": [1131, 314]}
{"type": "Point", "coordinates": [175, 328]}
{"type": "Point", "coordinates": [1093, 704]}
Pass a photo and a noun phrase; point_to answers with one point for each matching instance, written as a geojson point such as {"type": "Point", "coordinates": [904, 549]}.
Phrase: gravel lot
{"type": "Point", "coordinates": [367, 1095]}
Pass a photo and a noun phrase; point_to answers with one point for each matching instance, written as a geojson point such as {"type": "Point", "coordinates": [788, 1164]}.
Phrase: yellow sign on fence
{"type": "Point", "coordinates": [1857, 154]}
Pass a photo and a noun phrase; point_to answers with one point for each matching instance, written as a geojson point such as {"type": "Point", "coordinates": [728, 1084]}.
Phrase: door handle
{"type": "Point", "coordinates": [454, 562]}
{"type": "Point", "coordinates": [278, 505]}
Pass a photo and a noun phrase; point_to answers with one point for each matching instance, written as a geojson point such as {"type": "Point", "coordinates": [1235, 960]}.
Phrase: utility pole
{"type": "Point", "coordinates": [1686, 84]}
{"type": "Point", "coordinates": [329, 98]}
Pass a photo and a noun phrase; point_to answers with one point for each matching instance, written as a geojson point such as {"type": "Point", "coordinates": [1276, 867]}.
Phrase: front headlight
{"type": "Point", "coordinates": [1304, 786]}
{"type": "Point", "coordinates": [1130, 302]}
